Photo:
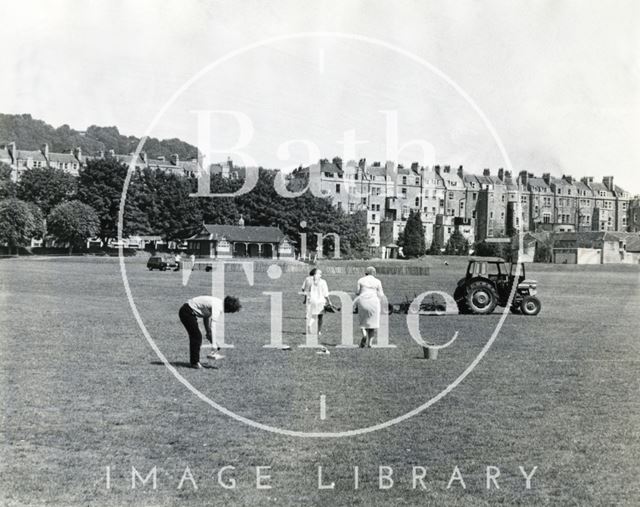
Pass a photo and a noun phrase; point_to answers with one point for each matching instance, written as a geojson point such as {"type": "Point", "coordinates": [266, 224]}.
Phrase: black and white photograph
{"type": "Point", "coordinates": [319, 253]}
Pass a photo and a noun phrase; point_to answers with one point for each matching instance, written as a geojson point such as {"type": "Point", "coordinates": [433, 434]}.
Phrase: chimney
{"type": "Point", "coordinates": [547, 178]}
{"type": "Point", "coordinates": [507, 174]}
{"type": "Point", "coordinates": [112, 153]}
{"type": "Point", "coordinates": [77, 152]}
{"type": "Point", "coordinates": [568, 179]}
{"type": "Point", "coordinates": [45, 150]}
{"type": "Point", "coordinates": [486, 172]}
{"type": "Point", "coordinates": [415, 166]}
{"type": "Point", "coordinates": [241, 222]}
{"type": "Point", "coordinates": [143, 157]}
{"type": "Point", "coordinates": [11, 147]}
{"type": "Point", "coordinates": [501, 174]}
{"type": "Point", "coordinates": [175, 159]}
{"type": "Point", "coordinates": [101, 154]}
{"type": "Point", "coordinates": [607, 181]}
{"type": "Point", "coordinates": [161, 158]}
{"type": "Point", "coordinates": [461, 172]}
{"type": "Point", "coordinates": [524, 178]}
{"type": "Point", "coordinates": [436, 168]}
{"type": "Point", "coordinates": [447, 169]}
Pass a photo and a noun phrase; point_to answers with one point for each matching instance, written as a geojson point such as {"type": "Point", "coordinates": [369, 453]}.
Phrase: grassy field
{"type": "Point", "coordinates": [82, 390]}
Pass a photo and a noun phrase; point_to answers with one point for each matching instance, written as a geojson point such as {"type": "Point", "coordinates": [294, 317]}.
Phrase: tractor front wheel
{"type": "Point", "coordinates": [481, 298]}
{"type": "Point", "coordinates": [531, 305]}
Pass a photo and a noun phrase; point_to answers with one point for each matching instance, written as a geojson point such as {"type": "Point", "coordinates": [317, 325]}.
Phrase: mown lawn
{"type": "Point", "coordinates": [83, 390]}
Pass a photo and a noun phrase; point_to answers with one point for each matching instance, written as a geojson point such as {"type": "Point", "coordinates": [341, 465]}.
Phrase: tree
{"type": "Point", "coordinates": [46, 187]}
{"type": "Point", "coordinates": [457, 244]}
{"type": "Point", "coordinates": [39, 224]}
{"type": "Point", "coordinates": [17, 223]}
{"type": "Point", "coordinates": [73, 222]}
{"type": "Point", "coordinates": [544, 252]}
{"type": "Point", "coordinates": [7, 186]}
{"type": "Point", "coordinates": [100, 185]}
{"type": "Point", "coordinates": [170, 211]}
{"type": "Point", "coordinates": [412, 239]}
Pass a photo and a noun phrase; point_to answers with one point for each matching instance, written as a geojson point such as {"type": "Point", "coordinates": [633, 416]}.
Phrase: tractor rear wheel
{"type": "Point", "coordinates": [531, 305]}
{"type": "Point", "coordinates": [481, 298]}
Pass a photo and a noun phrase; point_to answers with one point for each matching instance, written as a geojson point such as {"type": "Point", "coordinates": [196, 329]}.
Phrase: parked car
{"type": "Point", "coordinates": [161, 262]}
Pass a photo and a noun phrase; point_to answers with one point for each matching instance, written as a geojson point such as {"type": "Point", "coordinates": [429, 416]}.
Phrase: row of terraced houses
{"type": "Point", "coordinates": [480, 206]}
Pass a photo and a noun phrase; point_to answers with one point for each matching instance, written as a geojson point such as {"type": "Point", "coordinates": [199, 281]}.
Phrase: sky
{"type": "Point", "coordinates": [557, 80]}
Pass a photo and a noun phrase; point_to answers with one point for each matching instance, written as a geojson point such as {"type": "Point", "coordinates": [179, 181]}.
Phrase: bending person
{"type": "Point", "coordinates": [207, 308]}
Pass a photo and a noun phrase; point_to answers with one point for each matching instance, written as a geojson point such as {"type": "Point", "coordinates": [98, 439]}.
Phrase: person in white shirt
{"type": "Point", "coordinates": [369, 293]}
{"type": "Point", "coordinates": [316, 294]}
{"type": "Point", "coordinates": [207, 308]}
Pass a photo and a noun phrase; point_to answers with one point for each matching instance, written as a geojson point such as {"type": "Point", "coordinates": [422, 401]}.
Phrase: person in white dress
{"type": "Point", "coordinates": [369, 294]}
{"type": "Point", "coordinates": [316, 293]}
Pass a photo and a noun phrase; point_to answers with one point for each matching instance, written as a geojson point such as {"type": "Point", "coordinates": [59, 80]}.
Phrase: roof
{"type": "Point", "coordinates": [487, 259]}
{"type": "Point", "coordinates": [588, 238]}
{"type": "Point", "coordinates": [34, 154]}
{"type": "Point", "coordinates": [581, 185]}
{"type": "Point", "coordinates": [538, 184]}
{"type": "Point", "coordinates": [252, 233]}
{"type": "Point", "coordinates": [633, 244]}
{"type": "Point", "coordinates": [63, 157]}
{"type": "Point", "coordinates": [330, 167]}
{"type": "Point", "coordinates": [620, 191]}
{"type": "Point", "coordinates": [497, 240]}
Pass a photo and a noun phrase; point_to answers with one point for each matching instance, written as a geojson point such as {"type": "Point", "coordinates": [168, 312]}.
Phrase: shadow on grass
{"type": "Point", "coordinates": [184, 364]}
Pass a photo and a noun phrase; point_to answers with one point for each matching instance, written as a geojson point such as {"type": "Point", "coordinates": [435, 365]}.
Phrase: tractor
{"type": "Point", "coordinates": [488, 283]}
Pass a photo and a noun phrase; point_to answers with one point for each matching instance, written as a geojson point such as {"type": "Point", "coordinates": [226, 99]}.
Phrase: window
{"type": "Point", "coordinates": [337, 188]}
{"type": "Point", "coordinates": [373, 217]}
{"type": "Point", "coordinates": [461, 205]}
{"type": "Point", "coordinates": [328, 175]}
{"type": "Point", "coordinates": [475, 196]}
{"type": "Point", "coordinates": [450, 195]}
{"type": "Point", "coordinates": [442, 203]}
{"type": "Point", "coordinates": [502, 216]}
{"type": "Point", "coordinates": [491, 215]}
{"type": "Point", "coordinates": [404, 192]}
{"type": "Point", "coordinates": [404, 180]}
{"type": "Point", "coordinates": [351, 206]}
{"type": "Point", "coordinates": [433, 210]}
{"type": "Point", "coordinates": [417, 181]}
{"type": "Point", "coordinates": [502, 197]}
{"type": "Point", "coordinates": [417, 202]}
{"type": "Point", "coordinates": [473, 214]}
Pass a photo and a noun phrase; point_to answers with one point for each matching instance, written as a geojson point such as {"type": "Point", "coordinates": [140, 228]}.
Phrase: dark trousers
{"type": "Point", "coordinates": [190, 323]}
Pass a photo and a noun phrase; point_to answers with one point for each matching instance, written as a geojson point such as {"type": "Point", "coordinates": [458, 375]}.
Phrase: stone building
{"type": "Point", "coordinates": [238, 241]}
